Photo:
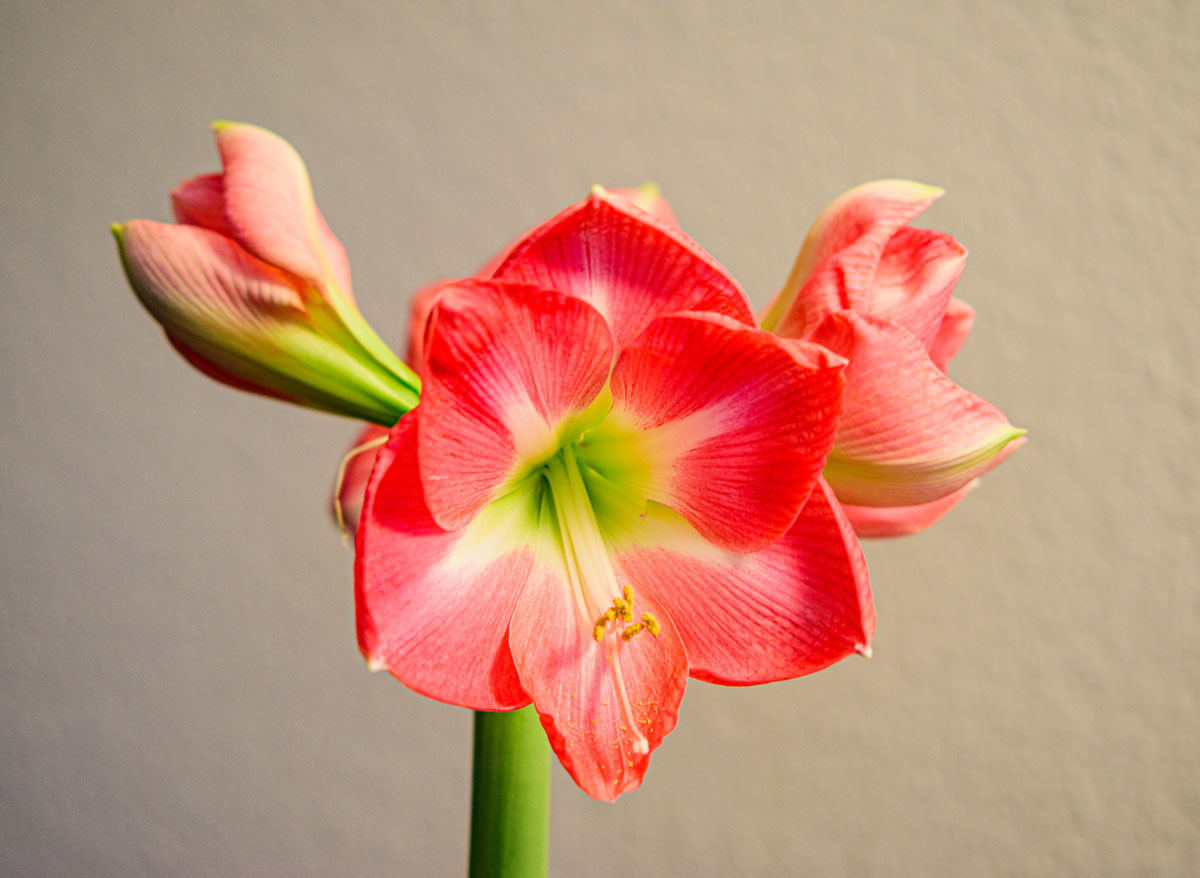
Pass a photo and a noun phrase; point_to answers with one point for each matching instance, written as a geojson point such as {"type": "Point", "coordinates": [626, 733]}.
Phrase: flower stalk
{"type": "Point", "coordinates": [510, 796]}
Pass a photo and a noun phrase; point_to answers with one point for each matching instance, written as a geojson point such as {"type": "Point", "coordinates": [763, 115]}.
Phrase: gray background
{"type": "Point", "coordinates": [180, 687]}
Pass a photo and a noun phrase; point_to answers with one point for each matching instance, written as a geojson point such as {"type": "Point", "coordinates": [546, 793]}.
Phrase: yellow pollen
{"type": "Point", "coordinates": [652, 624]}
{"type": "Point", "coordinates": [598, 632]}
{"type": "Point", "coordinates": [627, 593]}
{"type": "Point", "coordinates": [632, 631]}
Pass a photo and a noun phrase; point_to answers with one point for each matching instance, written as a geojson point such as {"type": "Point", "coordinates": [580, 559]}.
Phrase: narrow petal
{"type": "Point", "coordinates": [916, 276]}
{"type": "Point", "coordinates": [792, 608]}
{"type": "Point", "coordinates": [909, 435]}
{"type": "Point", "coordinates": [200, 201]}
{"type": "Point", "coordinates": [433, 606]}
{"type": "Point", "coordinates": [836, 265]}
{"type": "Point", "coordinates": [506, 366]}
{"type": "Point", "coordinates": [354, 473]}
{"type": "Point", "coordinates": [245, 321]}
{"type": "Point", "coordinates": [605, 706]}
{"type": "Point", "coordinates": [877, 522]}
{"type": "Point", "coordinates": [626, 263]}
{"type": "Point", "coordinates": [270, 208]}
{"type": "Point", "coordinates": [956, 325]}
{"type": "Point", "coordinates": [722, 423]}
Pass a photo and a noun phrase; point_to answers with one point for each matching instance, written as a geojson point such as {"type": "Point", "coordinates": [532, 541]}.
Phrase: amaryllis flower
{"type": "Point", "coordinates": [877, 291]}
{"type": "Point", "coordinates": [612, 482]}
{"type": "Point", "coordinates": [253, 288]}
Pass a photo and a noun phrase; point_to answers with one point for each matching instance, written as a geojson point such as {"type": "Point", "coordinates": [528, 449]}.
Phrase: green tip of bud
{"type": "Point", "coordinates": [221, 124]}
{"type": "Point", "coordinates": [650, 189]}
{"type": "Point", "coordinates": [597, 191]}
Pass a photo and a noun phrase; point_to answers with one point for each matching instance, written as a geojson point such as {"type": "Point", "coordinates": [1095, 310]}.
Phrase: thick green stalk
{"type": "Point", "coordinates": [510, 796]}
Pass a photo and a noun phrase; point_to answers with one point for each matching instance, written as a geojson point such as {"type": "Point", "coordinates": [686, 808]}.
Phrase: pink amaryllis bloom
{"type": "Point", "coordinates": [612, 482]}
{"type": "Point", "coordinates": [872, 288]}
{"type": "Point", "coordinates": [253, 288]}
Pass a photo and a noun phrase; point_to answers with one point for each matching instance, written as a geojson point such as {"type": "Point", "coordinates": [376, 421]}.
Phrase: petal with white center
{"type": "Point", "coordinates": [605, 706]}
{"type": "Point", "coordinates": [506, 368]}
{"type": "Point", "coordinates": [792, 608]}
{"type": "Point", "coordinates": [726, 425]}
{"type": "Point", "coordinates": [433, 606]}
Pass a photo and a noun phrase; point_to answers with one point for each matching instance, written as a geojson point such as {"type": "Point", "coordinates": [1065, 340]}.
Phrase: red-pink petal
{"type": "Point", "coordinates": [355, 473]}
{"type": "Point", "coordinates": [433, 606]}
{"type": "Point", "coordinates": [572, 680]}
{"type": "Point", "coordinates": [792, 608]}
{"type": "Point", "coordinates": [837, 262]}
{"type": "Point", "coordinates": [625, 263]}
{"type": "Point", "coordinates": [917, 274]}
{"type": "Point", "coordinates": [878, 522]}
{"type": "Point", "coordinates": [505, 366]}
{"type": "Point", "coordinates": [734, 426]}
{"type": "Point", "coordinates": [200, 201]}
{"type": "Point", "coordinates": [956, 325]}
{"type": "Point", "coordinates": [418, 321]}
{"type": "Point", "coordinates": [909, 435]}
{"type": "Point", "coordinates": [270, 208]}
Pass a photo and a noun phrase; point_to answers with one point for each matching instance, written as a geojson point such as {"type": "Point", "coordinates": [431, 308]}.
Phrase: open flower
{"type": "Point", "coordinates": [253, 289]}
{"type": "Point", "coordinates": [877, 291]}
{"type": "Point", "coordinates": [612, 482]}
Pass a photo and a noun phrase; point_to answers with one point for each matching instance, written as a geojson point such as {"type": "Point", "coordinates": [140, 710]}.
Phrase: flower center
{"type": "Point", "coordinates": [603, 608]}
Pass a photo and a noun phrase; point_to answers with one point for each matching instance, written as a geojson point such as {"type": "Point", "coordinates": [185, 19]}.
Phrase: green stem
{"type": "Point", "coordinates": [510, 796]}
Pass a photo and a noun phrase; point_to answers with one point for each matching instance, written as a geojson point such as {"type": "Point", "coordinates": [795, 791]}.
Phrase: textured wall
{"type": "Point", "coordinates": [180, 685]}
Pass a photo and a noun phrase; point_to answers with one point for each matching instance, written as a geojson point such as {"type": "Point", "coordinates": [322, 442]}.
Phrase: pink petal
{"type": "Point", "coordinates": [355, 474]}
{"type": "Point", "coordinates": [628, 265]}
{"type": "Point", "coordinates": [433, 606]}
{"type": "Point", "coordinates": [909, 435]}
{"type": "Point", "coordinates": [792, 608]}
{"type": "Point", "coordinates": [505, 366]}
{"type": "Point", "coordinates": [916, 276]}
{"type": "Point", "coordinates": [270, 209]}
{"type": "Point", "coordinates": [956, 325]}
{"type": "Point", "coordinates": [735, 428]}
{"type": "Point", "coordinates": [244, 322]}
{"type": "Point", "coordinates": [877, 522]}
{"type": "Point", "coordinates": [200, 201]}
{"type": "Point", "coordinates": [836, 265]}
{"type": "Point", "coordinates": [596, 724]}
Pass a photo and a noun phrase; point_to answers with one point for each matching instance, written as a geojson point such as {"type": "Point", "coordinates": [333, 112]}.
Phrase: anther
{"type": "Point", "coordinates": [631, 631]}
{"type": "Point", "coordinates": [652, 624]}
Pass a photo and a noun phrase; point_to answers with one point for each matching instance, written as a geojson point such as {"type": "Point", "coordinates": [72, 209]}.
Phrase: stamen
{"type": "Point", "coordinates": [631, 631]}
{"type": "Point", "coordinates": [652, 624]}
{"type": "Point", "coordinates": [354, 452]}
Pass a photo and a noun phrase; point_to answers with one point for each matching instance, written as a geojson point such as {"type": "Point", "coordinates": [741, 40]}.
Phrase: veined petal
{"type": "Point", "coordinates": [877, 522]}
{"type": "Point", "coordinates": [355, 474]}
{"type": "Point", "coordinates": [433, 606]}
{"type": "Point", "coordinates": [792, 608]}
{"type": "Point", "coordinates": [722, 423]}
{"type": "Point", "coordinates": [418, 321]}
{"type": "Point", "coordinates": [200, 201]}
{"type": "Point", "coordinates": [917, 274]}
{"type": "Point", "coordinates": [909, 435]}
{"type": "Point", "coordinates": [506, 366]}
{"type": "Point", "coordinates": [270, 208]}
{"type": "Point", "coordinates": [246, 322]}
{"type": "Point", "coordinates": [837, 262]}
{"type": "Point", "coordinates": [956, 325]}
{"type": "Point", "coordinates": [626, 263]}
{"type": "Point", "coordinates": [605, 706]}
